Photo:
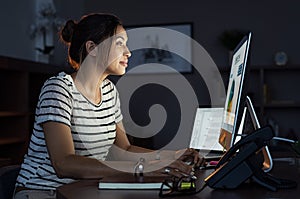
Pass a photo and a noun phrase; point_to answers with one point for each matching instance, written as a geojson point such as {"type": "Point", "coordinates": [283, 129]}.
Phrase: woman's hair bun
{"type": "Point", "coordinates": [67, 31]}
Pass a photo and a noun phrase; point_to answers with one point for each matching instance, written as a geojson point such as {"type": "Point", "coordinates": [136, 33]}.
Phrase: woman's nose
{"type": "Point", "coordinates": [127, 52]}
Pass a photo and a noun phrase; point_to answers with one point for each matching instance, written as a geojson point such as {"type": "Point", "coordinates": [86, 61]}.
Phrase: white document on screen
{"type": "Point", "coordinates": [206, 129]}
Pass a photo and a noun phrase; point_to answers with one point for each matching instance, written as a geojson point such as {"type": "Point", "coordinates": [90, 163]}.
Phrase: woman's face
{"type": "Point", "coordinates": [119, 53]}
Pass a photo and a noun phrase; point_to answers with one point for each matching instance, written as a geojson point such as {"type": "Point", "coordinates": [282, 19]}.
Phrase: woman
{"type": "Point", "coordinates": [78, 117]}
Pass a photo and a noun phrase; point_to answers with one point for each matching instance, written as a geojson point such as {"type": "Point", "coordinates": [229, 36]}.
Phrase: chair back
{"type": "Point", "coordinates": [8, 176]}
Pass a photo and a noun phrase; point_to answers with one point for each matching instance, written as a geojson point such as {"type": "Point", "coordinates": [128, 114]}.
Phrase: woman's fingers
{"type": "Point", "coordinates": [181, 167]}
{"type": "Point", "coordinates": [173, 172]}
{"type": "Point", "coordinates": [176, 168]}
{"type": "Point", "coordinates": [192, 156]}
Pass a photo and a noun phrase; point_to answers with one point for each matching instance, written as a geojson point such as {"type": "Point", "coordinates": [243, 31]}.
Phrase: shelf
{"type": "Point", "coordinates": [12, 114]}
{"type": "Point", "coordinates": [275, 68]}
{"type": "Point", "coordinates": [282, 104]}
{"type": "Point", "coordinates": [11, 140]}
{"type": "Point", "coordinates": [21, 82]}
{"type": "Point", "coordinates": [254, 68]}
{"type": "Point", "coordinates": [20, 65]}
{"type": "Point", "coordinates": [5, 161]}
{"type": "Point", "coordinates": [273, 91]}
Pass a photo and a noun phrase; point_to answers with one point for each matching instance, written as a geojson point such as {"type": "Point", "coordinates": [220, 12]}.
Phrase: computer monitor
{"type": "Point", "coordinates": [238, 104]}
{"type": "Point", "coordinates": [236, 96]}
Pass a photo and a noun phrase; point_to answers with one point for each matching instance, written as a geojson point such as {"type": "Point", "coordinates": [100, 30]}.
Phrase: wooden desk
{"type": "Point", "coordinates": [282, 169]}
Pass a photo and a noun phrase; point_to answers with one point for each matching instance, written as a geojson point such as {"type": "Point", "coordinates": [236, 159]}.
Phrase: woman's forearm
{"type": "Point", "coordinates": [79, 167]}
{"type": "Point", "coordinates": [134, 153]}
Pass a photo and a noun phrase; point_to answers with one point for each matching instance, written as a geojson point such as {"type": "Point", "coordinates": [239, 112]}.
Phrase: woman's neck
{"type": "Point", "coordinates": [88, 81]}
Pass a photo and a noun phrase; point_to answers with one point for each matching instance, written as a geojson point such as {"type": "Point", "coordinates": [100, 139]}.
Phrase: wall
{"type": "Point", "coordinates": [66, 9]}
{"type": "Point", "coordinates": [15, 18]}
{"type": "Point", "coordinates": [275, 24]}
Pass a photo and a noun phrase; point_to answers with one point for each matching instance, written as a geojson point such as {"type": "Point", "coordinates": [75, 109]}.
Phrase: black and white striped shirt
{"type": "Point", "coordinates": [93, 128]}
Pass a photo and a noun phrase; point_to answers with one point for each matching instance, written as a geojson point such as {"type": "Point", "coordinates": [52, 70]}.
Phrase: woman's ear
{"type": "Point", "coordinates": [91, 48]}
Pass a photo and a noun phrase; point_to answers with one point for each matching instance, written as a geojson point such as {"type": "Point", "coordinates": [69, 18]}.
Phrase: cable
{"type": "Point", "coordinates": [284, 139]}
{"type": "Point", "coordinates": [295, 144]}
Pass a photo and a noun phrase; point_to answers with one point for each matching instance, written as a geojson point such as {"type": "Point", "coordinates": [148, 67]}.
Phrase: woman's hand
{"type": "Point", "coordinates": [175, 168]}
{"type": "Point", "coordinates": [190, 156]}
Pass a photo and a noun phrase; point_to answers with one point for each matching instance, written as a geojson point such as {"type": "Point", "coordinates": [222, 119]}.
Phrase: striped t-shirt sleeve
{"type": "Point", "coordinates": [55, 102]}
{"type": "Point", "coordinates": [118, 113]}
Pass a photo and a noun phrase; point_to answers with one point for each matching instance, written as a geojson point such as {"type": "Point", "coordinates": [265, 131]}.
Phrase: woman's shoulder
{"type": "Point", "coordinates": [60, 81]}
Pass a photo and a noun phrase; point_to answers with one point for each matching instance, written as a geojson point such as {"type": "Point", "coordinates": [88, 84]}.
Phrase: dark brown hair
{"type": "Point", "coordinates": [94, 27]}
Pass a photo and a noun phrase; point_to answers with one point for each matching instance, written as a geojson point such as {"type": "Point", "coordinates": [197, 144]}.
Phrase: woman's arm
{"type": "Point", "coordinates": [123, 150]}
{"type": "Point", "coordinates": [123, 143]}
{"type": "Point", "coordinates": [67, 164]}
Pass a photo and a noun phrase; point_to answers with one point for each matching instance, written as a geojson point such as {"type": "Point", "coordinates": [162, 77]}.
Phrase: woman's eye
{"type": "Point", "coordinates": [119, 43]}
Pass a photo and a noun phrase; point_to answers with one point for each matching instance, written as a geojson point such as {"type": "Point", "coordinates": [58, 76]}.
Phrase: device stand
{"type": "Point", "coordinates": [242, 163]}
{"type": "Point", "coordinates": [259, 175]}
{"type": "Point", "coordinates": [267, 158]}
{"type": "Point", "coordinates": [234, 167]}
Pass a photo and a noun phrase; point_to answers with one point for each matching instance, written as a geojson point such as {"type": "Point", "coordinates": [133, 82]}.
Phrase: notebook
{"type": "Point", "coordinates": [129, 181]}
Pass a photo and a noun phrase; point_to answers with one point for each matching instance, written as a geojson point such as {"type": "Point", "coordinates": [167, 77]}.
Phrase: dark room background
{"type": "Point", "coordinates": [275, 26]}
